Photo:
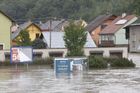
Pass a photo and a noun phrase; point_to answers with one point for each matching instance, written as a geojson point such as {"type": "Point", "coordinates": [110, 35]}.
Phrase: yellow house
{"type": "Point", "coordinates": [33, 30]}
{"type": "Point", "coordinates": [5, 25]}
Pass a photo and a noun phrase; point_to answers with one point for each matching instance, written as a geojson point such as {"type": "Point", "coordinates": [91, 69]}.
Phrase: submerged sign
{"type": "Point", "coordinates": [62, 66]}
{"type": "Point", "coordinates": [21, 54]}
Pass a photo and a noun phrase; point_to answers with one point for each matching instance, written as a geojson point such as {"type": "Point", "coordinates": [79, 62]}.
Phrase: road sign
{"type": "Point", "coordinates": [62, 65]}
{"type": "Point", "coordinates": [21, 54]}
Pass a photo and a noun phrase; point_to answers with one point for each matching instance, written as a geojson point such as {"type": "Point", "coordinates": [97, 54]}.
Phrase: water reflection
{"type": "Point", "coordinates": [44, 80]}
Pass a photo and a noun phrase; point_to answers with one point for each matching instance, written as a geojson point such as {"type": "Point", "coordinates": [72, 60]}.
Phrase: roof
{"type": "Point", "coordinates": [58, 42]}
{"type": "Point", "coordinates": [22, 27]}
{"type": "Point", "coordinates": [136, 23]}
{"type": "Point", "coordinates": [51, 24]}
{"type": "Point", "coordinates": [118, 24]}
{"type": "Point", "coordinates": [98, 21]}
{"type": "Point", "coordinates": [7, 16]}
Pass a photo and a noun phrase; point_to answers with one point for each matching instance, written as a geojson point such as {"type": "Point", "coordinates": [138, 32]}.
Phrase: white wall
{"type": "Point", "coordinates": [120, 37]}
{"type": "Point", "coordinates": [106, 51]}
{"type": "Point", "coordinates": [135, 57]}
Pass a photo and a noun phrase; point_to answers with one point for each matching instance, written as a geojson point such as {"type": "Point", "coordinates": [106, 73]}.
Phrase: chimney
{"type": "Point", "coordinates": [123, 15]}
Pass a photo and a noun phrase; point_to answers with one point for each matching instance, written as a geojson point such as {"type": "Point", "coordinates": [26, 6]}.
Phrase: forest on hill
{"type": "Point", "coordinates": [71, 9]}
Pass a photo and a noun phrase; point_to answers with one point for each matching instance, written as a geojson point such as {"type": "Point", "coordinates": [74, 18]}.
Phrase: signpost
{"type": "Point", "coordinates": [67, 65]}
{"type": "Point", "coordinates": [62, 66]}
{"type": "Point", "coordinates": [21, 55]}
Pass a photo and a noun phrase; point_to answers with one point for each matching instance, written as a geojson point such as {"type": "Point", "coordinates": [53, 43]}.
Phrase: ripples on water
{"type": "Point", "coordinates": [44, 80]}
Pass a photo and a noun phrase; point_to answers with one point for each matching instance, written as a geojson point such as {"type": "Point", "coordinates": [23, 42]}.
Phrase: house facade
{"type": "Point", "coordinates": [114, 34]}
{"type": "Point", "coordinates": [97, 25]}
{"type": "Point", "coordinates": [133, 32]}
{"type": "Point", "coordinates": [5, 23]}
{"type": "Point", "coordinates": [33, 30]}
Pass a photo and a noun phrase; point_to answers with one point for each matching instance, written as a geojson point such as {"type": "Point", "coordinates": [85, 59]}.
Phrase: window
{"type": "Point", "coordinates": [121, 22]}
{"type": "Point", "coordinates": [1, 46]}
{"type": "Point", "coordinates": [96, 53]}
{"type": "Point", "coordinates": [133, 44]}
{"type": "Point", "coordinates": [7, 55]}
{"type": "Point", "coordinates": [107, 37]}
{"type": "Point", "coordinates": [56, 54]}
{"type": "Point", "coordinates": [133, 32]}
{"type": "Point", "coordinates": [37, 55]}
{"type": "Point", "coordinates": [103, 26]}
{"type": "Point", "coordinates": [116, 54]}
{"type": "Point", "coordinates": [37, 35]}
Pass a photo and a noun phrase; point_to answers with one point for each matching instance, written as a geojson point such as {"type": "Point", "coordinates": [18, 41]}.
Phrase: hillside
{"type": "Point", "coordinates": [73, 9]}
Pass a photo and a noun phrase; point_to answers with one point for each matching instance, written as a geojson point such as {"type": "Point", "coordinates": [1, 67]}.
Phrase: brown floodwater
{"type": "Point", "coordinates": [42, 79]}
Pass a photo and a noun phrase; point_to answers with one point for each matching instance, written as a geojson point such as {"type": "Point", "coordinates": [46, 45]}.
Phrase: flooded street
{"type": "Point", "coordinates": [43, 80]}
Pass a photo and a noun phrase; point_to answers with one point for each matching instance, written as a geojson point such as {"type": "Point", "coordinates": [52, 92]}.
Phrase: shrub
{"type": "Point", "coordinates": [38, 44]}
{"type": "Point", "coordinates": [100, 62]}
{"type": "Point", "coordinates": [5, 63]}
{"type": "Point", "coordinates": [122, 62]}
{"type": "Point", "coordinates": [40, 61]}
{"type": "Point", "coordinates": [97, 62]}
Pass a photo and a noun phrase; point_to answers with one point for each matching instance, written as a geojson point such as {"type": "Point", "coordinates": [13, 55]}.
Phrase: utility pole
{"type": "Point", "coordinates": [50, 31]}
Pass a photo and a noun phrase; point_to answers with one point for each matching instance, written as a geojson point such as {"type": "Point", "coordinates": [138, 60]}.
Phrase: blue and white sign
{"type": "Point", "coordinates": [62, 65]}
{"type": "Point", "coordinates": [78, 62]}
{"type": "Point", "coordinates": [21, 54]}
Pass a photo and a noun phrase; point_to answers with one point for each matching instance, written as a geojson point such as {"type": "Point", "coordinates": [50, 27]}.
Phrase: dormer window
{"type": "Point", "coordinates": [121, 22]}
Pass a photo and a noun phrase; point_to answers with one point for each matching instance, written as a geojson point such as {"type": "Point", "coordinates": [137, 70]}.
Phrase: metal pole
{"type": "Point", "coordinates": [16, 66]}
{"type": "Point", "coordinates": [27, 66]}
{"type": "Point", "coordinates": [50, 31]}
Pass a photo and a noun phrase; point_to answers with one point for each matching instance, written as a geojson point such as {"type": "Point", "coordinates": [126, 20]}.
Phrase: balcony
{"type": "Point", "coordinates": [105, 43]}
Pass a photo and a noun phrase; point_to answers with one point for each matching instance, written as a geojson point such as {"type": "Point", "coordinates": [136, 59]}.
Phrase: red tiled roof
{"type": "Point", "coordinates": [113, 27]}
{"type": "Point", "coordinates": [98, 21]}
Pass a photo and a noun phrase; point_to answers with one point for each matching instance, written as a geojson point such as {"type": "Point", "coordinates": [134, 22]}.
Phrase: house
{"type": "Point", "coordinates": [58, 25]}
{"type": "Point", "coordinates": [33, 29]}
{"type": "Point", "coordinates": [114, 34]}
{"type": "Point", "coordinates": [5, 31]}
{"type": "Point", "coordinates": [55, 41]}
{"type": "Point", "coordinates": [97, 25]}
{"type": "Point", "coordinates": [133, 36]}
{"type": "Point", "coordinates": [52, 25]}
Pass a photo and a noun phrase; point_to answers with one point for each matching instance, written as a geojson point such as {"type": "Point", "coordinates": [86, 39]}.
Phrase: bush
{"type": "Point", "coordinates": [5, 63]}
{"type": "Point", "coordinates": [45, 61]}
{"type": "Point", "coordinates": [38, 61]}
{"type": "Point", "coordinates": [38, 44]}
{"type": "Point", "coordinates": [97, 62]}
{"type": "Point", "coordinates": [101, 62]}
{"type": "Point", "coordinates": [121, 62]}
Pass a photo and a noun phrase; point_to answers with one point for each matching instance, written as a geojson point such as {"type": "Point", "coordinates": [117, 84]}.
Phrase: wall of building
{"type": "Point", "coordinates": [5, 25]}
{"type": "Point", "coordinates": [120, 37]}
{"type": "Point", "coordinates": [106, 51]}
{"type": "Point", "coordinates": [135, 57]}
{"type": "Point", "coordinates": [33, 30]}
{"type": "Point", "coordinates": [45, 52]}
{"type": "Point", "coordinates": [134, 41]}
{"type": "Point", "coordinates": [95, 35]}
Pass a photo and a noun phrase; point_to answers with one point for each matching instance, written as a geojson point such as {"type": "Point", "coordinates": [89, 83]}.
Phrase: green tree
{"type": "Point", "coordinates": [38, 44]}
{"type": "Point", "coordinates": [23, 39]}
{"type": "Point", "coordinates": [75, 39]}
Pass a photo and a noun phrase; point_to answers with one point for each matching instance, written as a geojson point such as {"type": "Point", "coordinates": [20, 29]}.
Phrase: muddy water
{"type": "Point", "coordinates": [44, 80]}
